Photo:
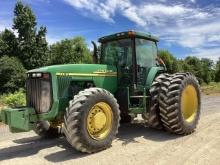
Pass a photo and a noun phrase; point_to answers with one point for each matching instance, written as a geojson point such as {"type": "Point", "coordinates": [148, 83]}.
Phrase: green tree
{"type": "Point", "coordinates": [8, 43]}
{"type": "Point", "coordinates": [207, 70]}
{"type": "Point", "coordinates": [203, 69]}
{"type": "Point", "coordinates": [193, 65]}
{"type": "Point", "coordinates": [12, 74]}
{"type": "Point", "coordinates": [217, 73]}
{"type": "Point", "coordinates": [169, 60]}
{"type": "Point", "coordinates": [70, 51]}
{"type": "Point", "coordinates": [33, 48]}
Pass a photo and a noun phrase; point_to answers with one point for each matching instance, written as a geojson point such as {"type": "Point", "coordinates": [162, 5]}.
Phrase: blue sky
{"type": "Point", "coordinates": [185, 27]}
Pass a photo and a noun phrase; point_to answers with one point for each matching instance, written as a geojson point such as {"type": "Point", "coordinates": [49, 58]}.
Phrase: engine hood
{"type": "Point", "coordinates": [77, 69]}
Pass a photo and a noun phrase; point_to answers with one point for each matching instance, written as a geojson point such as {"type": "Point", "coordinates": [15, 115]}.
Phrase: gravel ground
{"type": "Point", "coordinates": [135, 144]}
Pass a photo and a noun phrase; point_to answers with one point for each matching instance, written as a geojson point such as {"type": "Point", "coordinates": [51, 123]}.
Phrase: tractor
{"type": "Point", "coordinates": [87, 102]}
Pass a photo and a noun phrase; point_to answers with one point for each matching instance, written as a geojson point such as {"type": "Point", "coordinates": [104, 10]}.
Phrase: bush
{"type": "Point", "coordinates": [12, 74]}
{"type": "Point", "coordinates": [16, 99]}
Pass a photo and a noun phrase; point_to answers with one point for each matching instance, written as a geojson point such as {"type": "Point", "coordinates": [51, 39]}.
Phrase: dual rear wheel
{"type": "Point", "coordinates": [176, 103]}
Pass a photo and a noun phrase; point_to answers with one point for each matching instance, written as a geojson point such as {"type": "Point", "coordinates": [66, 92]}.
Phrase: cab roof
{"type": "Point", "coordinates": [128, 34]}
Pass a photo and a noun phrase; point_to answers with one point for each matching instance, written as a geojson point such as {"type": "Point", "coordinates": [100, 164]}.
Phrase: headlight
{"type": "Point", "coordinates": [35, 75]}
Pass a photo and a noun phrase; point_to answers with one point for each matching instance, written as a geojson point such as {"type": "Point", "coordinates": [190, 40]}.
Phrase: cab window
{"type": "Point", "coordinates": [117, 52]}
{"type": "Point", "coordinates": [146, 52]}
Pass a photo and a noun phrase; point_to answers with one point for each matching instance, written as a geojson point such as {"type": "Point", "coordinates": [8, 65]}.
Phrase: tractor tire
{"type": "Point", "coordinates": [43, 129]}
{"type": "Point", "coordinates": [180, 103]}
{"type": "Point", "coordinates": [92, 119]}
{"type": "Point", "coordinates": [153, 118]}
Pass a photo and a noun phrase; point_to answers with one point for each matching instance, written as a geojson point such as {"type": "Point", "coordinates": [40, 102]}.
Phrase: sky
{"type": "Point", "coordinates": [185, 27]}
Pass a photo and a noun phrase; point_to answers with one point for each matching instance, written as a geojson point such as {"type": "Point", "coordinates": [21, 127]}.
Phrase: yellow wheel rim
{"type": "Point", "coordinates": [189, 103]}
{"type": "Point", "coordinates": [99, 121]}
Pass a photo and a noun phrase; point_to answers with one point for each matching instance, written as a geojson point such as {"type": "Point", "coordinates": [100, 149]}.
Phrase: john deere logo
{"type": "Point", "coordinates": [102, 71]}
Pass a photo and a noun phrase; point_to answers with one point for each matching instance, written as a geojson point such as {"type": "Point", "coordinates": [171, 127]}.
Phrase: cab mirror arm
{"type": "Point", "coordinates": [95, 53]}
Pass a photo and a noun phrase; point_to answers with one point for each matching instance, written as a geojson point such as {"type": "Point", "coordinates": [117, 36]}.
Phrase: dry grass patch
{"type": "Point", "coordinates": [211, 89]}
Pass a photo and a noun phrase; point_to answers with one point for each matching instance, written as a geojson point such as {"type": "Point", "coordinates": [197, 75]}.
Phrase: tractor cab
{"type": "Point", "coordinates": [135, 56]}
{"type": "Point", "coordinates": [133, 53]}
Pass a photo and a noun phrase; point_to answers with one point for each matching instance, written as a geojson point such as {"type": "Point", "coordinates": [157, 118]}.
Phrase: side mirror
{"type": "Point", "coordinates": [161, 62]}
{"type": "Point", "coordinates": [95, 53]}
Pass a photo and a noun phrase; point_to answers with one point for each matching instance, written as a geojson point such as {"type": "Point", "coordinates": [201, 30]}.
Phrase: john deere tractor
{"type": "Point", "coordinates": [88, 101]}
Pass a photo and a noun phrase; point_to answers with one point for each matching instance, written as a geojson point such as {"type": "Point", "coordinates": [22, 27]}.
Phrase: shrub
{"type": "Point", "coordinates": [12, 74]}
{"type": "Point", "coordinates": [16, 99]}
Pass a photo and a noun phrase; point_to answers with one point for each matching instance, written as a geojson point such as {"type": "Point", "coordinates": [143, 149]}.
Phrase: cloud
{"type": "Point", "coordinates": [189, 26]}
{"type": "Point", "coordinates": [212, 53]}
{"type": "Point", "coordinates": [95, 7]}
{"type": "Point", "coordinates": [159, 15]}
{"type": "Point", "coordinates": [193, 36]}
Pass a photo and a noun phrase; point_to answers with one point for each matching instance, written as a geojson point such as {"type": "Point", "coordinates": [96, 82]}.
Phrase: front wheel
{"type": "Point", "coordinates": [92, 120]}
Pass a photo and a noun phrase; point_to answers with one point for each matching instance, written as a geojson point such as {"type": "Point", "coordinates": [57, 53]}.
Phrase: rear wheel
{"type": "Point", "coordinates": [180, 103]}
{"type": "Point", "coordinates": [153, 118]}
{"type": "Point", "coordinates": [92, 120]}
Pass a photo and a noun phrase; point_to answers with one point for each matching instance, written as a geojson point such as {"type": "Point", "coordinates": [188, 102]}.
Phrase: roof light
{"type": "Point", "coordinates": [131, 33]}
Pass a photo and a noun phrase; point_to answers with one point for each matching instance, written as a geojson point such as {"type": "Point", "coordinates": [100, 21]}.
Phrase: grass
{"type": "Point", "coordinates": [211, 88]}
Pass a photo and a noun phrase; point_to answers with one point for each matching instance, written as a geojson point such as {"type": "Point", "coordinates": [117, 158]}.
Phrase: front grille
{"type": "Point", "coordinates": [38, 94]}
{"type": "Point", "coordinates": [63, 83]}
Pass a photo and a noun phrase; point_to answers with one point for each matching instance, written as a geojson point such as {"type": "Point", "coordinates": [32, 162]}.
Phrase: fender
{"type": "Point", "coordinates": [152, 74]}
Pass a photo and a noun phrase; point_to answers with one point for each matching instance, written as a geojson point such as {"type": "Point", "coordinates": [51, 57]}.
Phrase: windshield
{"type": "Point", "coordinates": [118, 52]}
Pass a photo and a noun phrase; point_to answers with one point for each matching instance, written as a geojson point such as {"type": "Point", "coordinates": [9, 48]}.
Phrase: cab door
{"type": "Point", "coordinates": [146, 53]}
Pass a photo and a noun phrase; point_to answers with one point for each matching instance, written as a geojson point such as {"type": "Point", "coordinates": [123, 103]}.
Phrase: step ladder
{"type": "Point", "coordinates": [140, 106]}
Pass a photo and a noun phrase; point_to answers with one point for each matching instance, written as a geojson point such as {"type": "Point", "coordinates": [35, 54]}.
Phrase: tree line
{"type": "Point", "coordinates": [25, 47]}
{"type": "Point", "coordinates": [204, 69]}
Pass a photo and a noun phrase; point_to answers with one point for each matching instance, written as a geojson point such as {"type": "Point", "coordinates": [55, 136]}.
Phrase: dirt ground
{"type": "Point", "coordinates": [135, 144]}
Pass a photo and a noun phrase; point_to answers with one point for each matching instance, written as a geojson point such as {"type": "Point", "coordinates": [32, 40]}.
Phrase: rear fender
{"type": "Point", "coordinates": [152, 74]}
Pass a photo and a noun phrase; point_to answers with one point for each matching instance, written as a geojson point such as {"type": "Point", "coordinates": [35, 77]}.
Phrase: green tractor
{"type": "Point", "coordinates": [88, 101]}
